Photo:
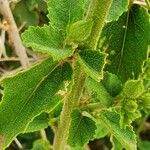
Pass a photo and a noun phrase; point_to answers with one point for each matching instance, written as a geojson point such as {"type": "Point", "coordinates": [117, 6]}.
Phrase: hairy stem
{"type": "Point", "coordinates": [98, 12]}
{"type": "Point", "coordinates": [13, 33]}
{"type": "Point", "coordinates": [70, 102]}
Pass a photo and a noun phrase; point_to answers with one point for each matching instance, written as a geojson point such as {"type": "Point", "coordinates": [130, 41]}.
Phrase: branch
{"type": "Point", "coordinates": [13, 33]}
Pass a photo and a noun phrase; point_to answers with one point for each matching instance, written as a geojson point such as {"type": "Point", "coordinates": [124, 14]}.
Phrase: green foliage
{"type": "Point", "coordinates": [133, 89]}
{"type": "Point", "coordinates": [83, 89]}
{"type": "Point", "coordinates": [117, 9]}
{"type": "Point", "coordinates": [126, 41]}
{"type": "Point", "coordinates": [39, 122]}
{"type": "Point", "coordinates": [125, 136]}
{"type": "Point", "coordinates": [143, 145]}
{"type": "Point", "coordinates": [46, 40]}
{"type": "Point", "coordinates": [35, 97]}
{"type": "Point", "coordinates": [27, 12]}
{"type": "Point", "coordinates": [79, 31]}
{"type": "Point", "coordinates": [63, 13]}
{"type": "Point", "coordinates": [115, 144]}
{"type": "Point", "coordinates": [101, 130]}
{"type": "Point", "coordinates": [93, 63]}
{"type": "Point", "coordinates": [82, 129]}
{"type": "Point", "coordinates": [41, 145]}
{"type": "Point", "coordinates": [112, 84]}
{"type": "Point", "coordinates": [100, 93]}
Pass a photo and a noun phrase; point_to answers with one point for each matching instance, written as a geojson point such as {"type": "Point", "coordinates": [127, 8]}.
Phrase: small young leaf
{"type": "Point", "coordinates": [131, 106]}
{"type": "Point", "coordinates": [126, 41]}
{"type": "Point", "coordinates": [31, 93]}
{"type": "Point", "coordinates": [125, 136]}
{"type": "Point", "coordinates": [79, 31]}
{"type": "Point", "coordinates": [133, 89]}
{"type": "Point", "coordinates": [82, 129]}
{"type": "Point", "coordinates": [65, 12]}
{"type": "Point", "coordinates": [112, 84]}
{"type": "Point", "coordinates": [101, 93]}
{"type": "Point", "coordinates": [117, 9]}
{"type": "Point", "coordinates": [46, 40]}
{"type": "Point", "coordinates": [101, 130]}
{"type": "Point", "coordinates": [145, 100]}
{"type": "Point", "coordinates": [93, 63]}
{"type": "Point", "coordinates": [41, 145]}
{"type": "Point", "coordinates": [115, 144]}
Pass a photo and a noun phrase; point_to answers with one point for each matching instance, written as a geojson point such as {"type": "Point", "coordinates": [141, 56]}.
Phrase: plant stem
{"type": "Point", "coordinates": [70, 102]}
{"type": "Point", "coordinates": [98, 12]}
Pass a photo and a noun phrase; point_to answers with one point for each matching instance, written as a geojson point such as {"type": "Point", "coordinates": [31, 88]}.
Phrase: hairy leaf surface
{"type": "Point", "coordinates": [126, 41]}
{"type": "Point", "coordinates": [82, 129]}
{"type": "Point", "coordinates": [79, 31]}
{"type": "Point", "coordinates": [112, 84]}
{"type": "Point", "coordinates": [133, 89]}
{"type": "Point", "coordinates": [102, 94]}
{"type": "Point", "coordinates": [115, 144]}
{"type": "Point", "coordinates": [38, 123]}
{"type": "Point", "coordinates": [46, 40]}
{"type": "Point", "coordinates": [28, 94]}
{"type": "Point", "coordinates": [125, 136]}
{"type": "Point", "coordinates": [93, 63]}
{"type": "Point", "coordinates": [65, 12]}
{"type": "Point", "coordinates": [117, 9]}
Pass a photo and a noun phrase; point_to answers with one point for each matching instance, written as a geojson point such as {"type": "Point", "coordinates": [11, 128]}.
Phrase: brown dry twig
{"type": "Point", "coordinates": [13, 33]}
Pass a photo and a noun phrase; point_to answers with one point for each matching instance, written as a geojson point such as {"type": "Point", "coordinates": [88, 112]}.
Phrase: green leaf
{"type": "Point", "coordinates": [145, 100]}
{"type": "Point", "coordinates": [46, 40]}
{"type": "Point", "coordinates": [93, 63]}
{"type": "Point", "coordinates": [126, 41]}
{"type": "Point", "coordinates": [41, 145]}
{"type": "Point", "coordinates": [143, 145]}
{"type": "Point", "coordinates": [101, 93]}
{"type": "Point", "coordinates": [117, 9]}
{"type": "Point", "coordinates": [24, 14]}
{"type": "Point", "coordinates": [79, 31]}
{"type": "Point", "coordinates": [38, 123]}
{"type": "Point", "coordinates": [112, 84]}
{"type": "Point", "coordinates": [133, 89]}
{"type": "Point", "coordinates": [28, 94]}
{"type": "Point", "coordinates": [147, 70]}
{"type": "Point", "coordinates": [125, 136]}
{"type": "Point", "coordinates": [101, 130]}
{"type": "Point", "coordinates": [82, 129]}
{"type": "Point", "coordinates": [115, 144]}
{"type": "Point", "coordinates": [65, 12]}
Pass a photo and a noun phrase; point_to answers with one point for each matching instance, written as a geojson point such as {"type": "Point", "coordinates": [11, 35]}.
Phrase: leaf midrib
{"type": "Point", "coordinates": [34, 91]}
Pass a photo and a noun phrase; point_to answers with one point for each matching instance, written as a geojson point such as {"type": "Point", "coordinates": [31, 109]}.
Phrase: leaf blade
{"type": "Point", "coordinates": [93, 63]}
{"type": "Point", "coordinates": [125, 136]}
{"type": "Point", "coordinates": [65, 12]}
{"type": "Point", "coordinates": [127, 43]}
{"type": "Point", "coordinates": [80, 124]}
{"type": "Point", "coordinates": [36, 96]}
{"type": "Point", "coordinates": [46, 40]}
